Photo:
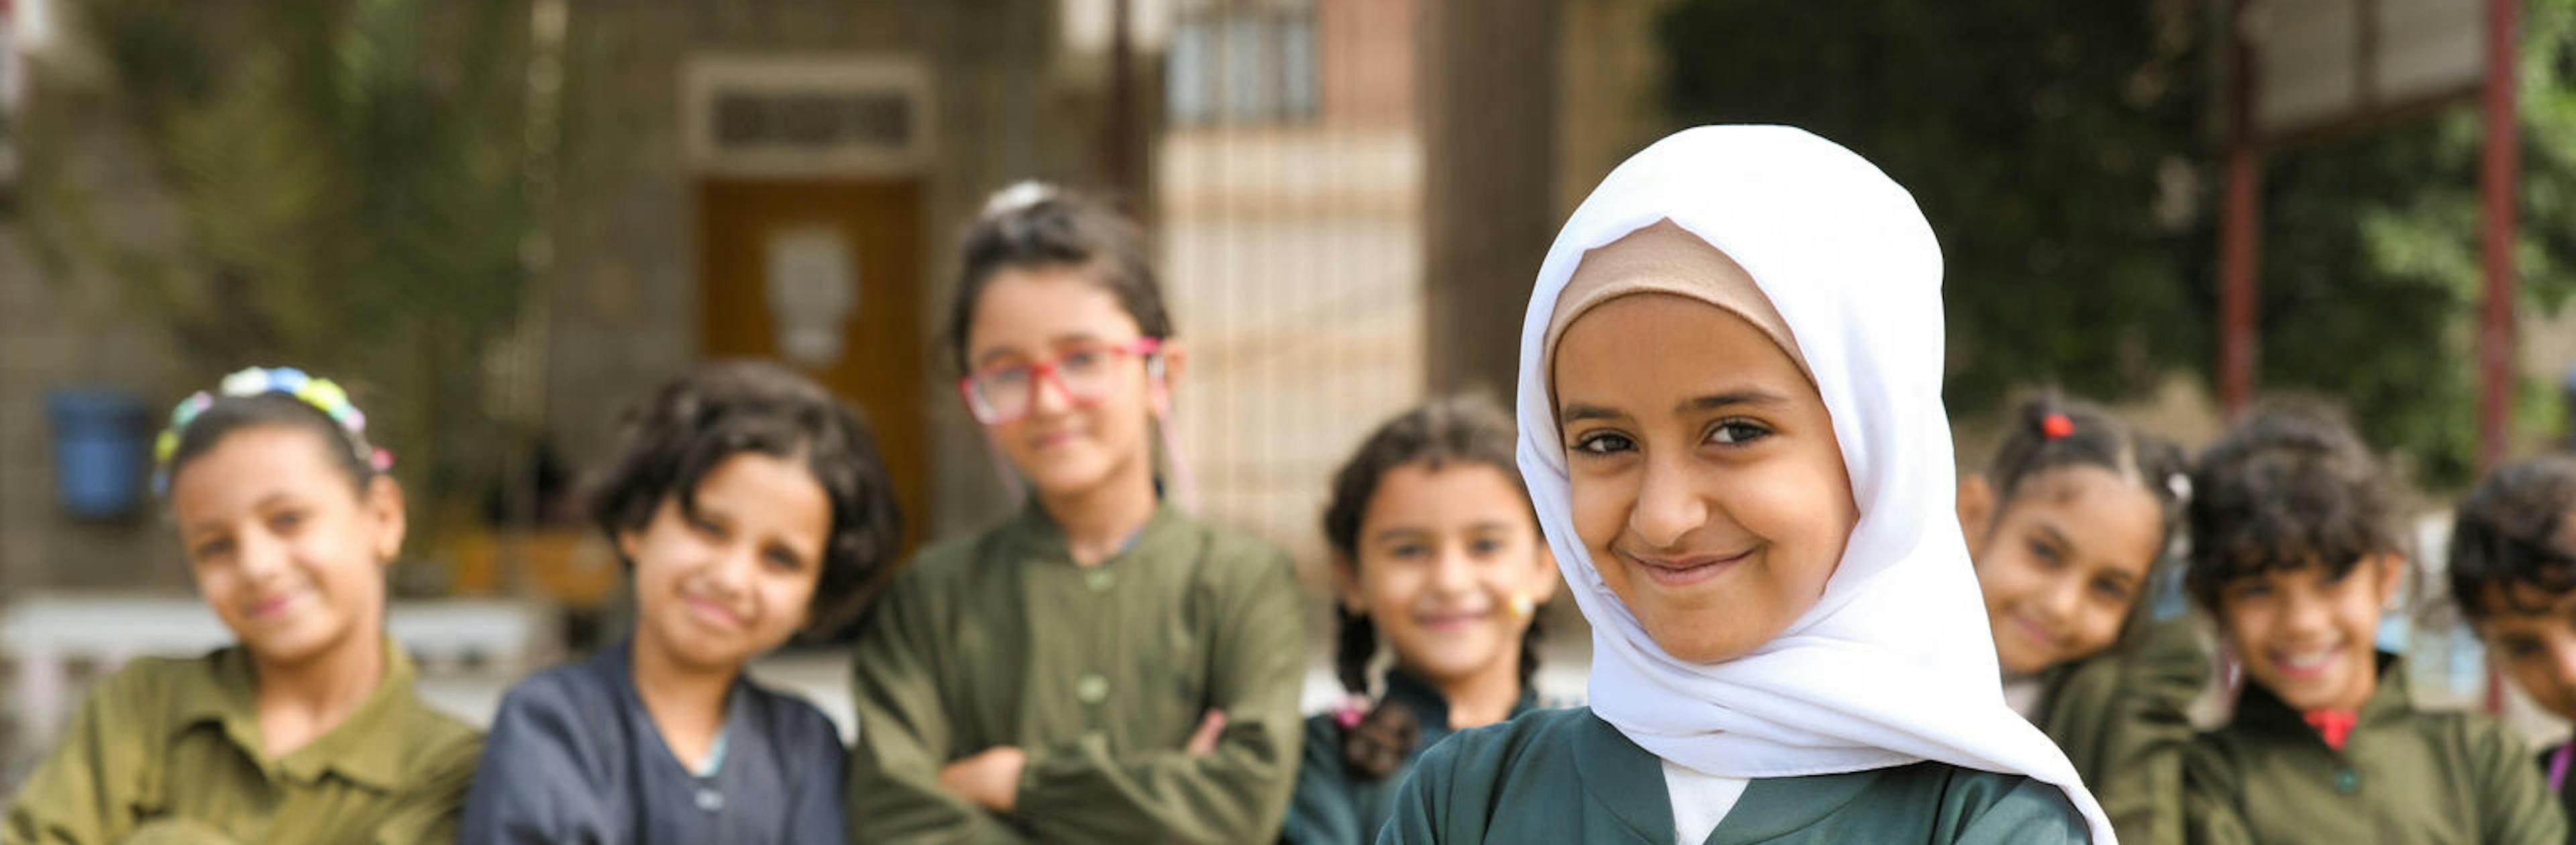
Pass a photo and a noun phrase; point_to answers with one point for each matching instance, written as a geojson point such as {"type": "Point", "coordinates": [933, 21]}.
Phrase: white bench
{"type": "Point", "coordinates": [469, 650]}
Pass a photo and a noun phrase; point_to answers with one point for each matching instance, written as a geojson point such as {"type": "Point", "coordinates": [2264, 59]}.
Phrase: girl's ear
{"type": "Point", "coordinates": [1976, 511]}
{"type": "Point", "coordinates": [1162, 372]}
{"type": "Point", "coordinates": [383, 508]}
{"type": "Point", "coordinates": [629, 542]}
{"type": "Point", "coordinates": [2388, 571]}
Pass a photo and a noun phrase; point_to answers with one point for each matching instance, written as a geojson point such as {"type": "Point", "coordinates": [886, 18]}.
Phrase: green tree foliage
{"type": "Point", "coordinates": [364, 189]}
{"type": "Point", "coordinates": [2063, 152]}
{"type": "Point", "coordinates": [2372, 278]}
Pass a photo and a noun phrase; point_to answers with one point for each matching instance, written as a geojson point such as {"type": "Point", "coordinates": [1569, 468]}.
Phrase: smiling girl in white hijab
{"type": "Point", "coordinates": [1731, 426]}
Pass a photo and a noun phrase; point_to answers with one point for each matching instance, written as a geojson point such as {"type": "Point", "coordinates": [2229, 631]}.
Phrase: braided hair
{"type": "Point", "coordinates": [1458, 430]}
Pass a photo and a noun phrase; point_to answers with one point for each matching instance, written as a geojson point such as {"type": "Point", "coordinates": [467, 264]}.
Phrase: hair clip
{"type": "Point", "coordinates": [2180, 484]}
{"type": "Point", "coordinates": [1019, 195]}
{"type": "Point", "coordinates": [2056, 425]}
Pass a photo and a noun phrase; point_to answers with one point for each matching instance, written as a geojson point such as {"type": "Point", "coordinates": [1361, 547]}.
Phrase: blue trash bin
{"type": "Point", "coordinates": [100, 455]}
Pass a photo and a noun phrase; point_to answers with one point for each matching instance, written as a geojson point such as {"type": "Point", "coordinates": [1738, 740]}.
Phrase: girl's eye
{"type": "Point", "coordinates": [1080, 361]}
{"type": "Point", "coordinates": [2254, 590]}
{"type": "Point", "coordinates": [783, 560]}
{"type": "Point", "coordinates": [1408, 551]}
{"type": "Point", "coordinates": [286, 522]}
{"type": "Point", "coordinates": [1485, 546]}
{"type": "Point", "coordinates": [1005, 379]}
{"type": "Point", "coordinates": [2111, 590]}
{"type": "Point", "coordinates": [1737, 432]}
{"type": "Point", "coordinates": [1603, 443]}
{"type": "Point", "coordinates": [707, 527]}
{"type": "Point", "coordinates": [2521, 649]}
{"type": "Point", "coordinates": [210, 549]}
{"type": "Point", "coordinates": [2044, 552]}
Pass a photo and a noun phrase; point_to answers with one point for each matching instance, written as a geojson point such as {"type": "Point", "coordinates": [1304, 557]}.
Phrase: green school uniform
{"type": "Point", "coordinates": [1098, 673]}
{"type": "Point", "coordinates": [2566, 785]}
{"type": "Point", "coordinates": [2403, 776]}
{"type": "Point", "coordinates": [1567, 776]}
{"type": "Point", "coordinates": [2123, 718]}
{"type": "Point", "coordinates": [169, 751]}
{"type": "Point", "coordinates": [1333, 806]}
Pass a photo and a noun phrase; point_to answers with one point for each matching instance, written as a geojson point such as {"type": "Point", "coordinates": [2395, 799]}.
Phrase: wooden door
{"type": "Point", "coordinates": [880, 365]}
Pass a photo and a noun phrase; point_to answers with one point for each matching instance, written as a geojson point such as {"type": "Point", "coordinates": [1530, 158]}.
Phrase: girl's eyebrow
{"type": "Point", "coordinates": [996, 354]}
{"type": "Point", "coordinates": [1743, 396]}
{"type": "Point", "coordinates": [1397, 533]}
{"type": "Point", "coordinates": [2052, 535]}
{"type": "Point", "coordinates": [1579, 413]}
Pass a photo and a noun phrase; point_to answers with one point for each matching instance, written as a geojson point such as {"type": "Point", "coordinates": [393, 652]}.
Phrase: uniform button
{"type": "Point", "coordinates": [2348, 782]}
{"type": "Point", "coordinates": [1091, 688]}
{"type": "Point", "coordinates": [1100, 580]}
{"type": "Point", "coordinates": [710, 800]}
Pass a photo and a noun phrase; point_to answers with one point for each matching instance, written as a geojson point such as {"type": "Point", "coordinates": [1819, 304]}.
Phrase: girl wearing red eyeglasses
{"type": "Point", "coordinates": [1101, 667]}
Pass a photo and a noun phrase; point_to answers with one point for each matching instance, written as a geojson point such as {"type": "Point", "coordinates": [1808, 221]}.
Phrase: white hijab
{"type": "Point", "coordinates": [1895, 663]}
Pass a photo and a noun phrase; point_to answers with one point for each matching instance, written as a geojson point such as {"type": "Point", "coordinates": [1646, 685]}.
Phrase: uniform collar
{"type": "Point", "coordinates": [1035, 533]}
{"type": "Point", "coordinates": [1629, 782]}
{"type": "Point", "coordinates": [366, 747]}
{"type": "Point", "coordinates": [2390, 702]}
{"type": "Point", "coordinates": [617, 663]}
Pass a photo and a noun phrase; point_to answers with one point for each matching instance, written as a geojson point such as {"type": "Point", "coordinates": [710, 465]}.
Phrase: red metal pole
{"type": "Point", "coordinates": [2499, 165]}
{"type": "Point", "coordinates": [2498, 168]}
{"type": "Point", "coordinates": [2240, 235]}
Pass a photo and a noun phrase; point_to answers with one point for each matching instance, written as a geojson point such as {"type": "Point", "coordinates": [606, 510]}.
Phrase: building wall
{"type": "Point", "coordinates": [62, 332]}
{"type": "Point", "coordinates": [1292, 249]}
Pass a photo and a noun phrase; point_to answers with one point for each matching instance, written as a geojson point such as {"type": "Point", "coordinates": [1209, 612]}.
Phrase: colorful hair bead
{"type": "Point", "coordinates": [321, 393]}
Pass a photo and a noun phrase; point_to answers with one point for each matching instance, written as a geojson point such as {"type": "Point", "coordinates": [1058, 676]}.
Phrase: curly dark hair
{"type": "Point", "coordinates": [2512, 531]}
{"type": "Point", "coordinates": [668, 443]}
{"type": "Point", "coordinates": [2091, 437]}
{"type": "Point", "coordinates": [1458, 430]}
{"type": "Point", "coordinates": [2289, 487]}
{"type": "Point", "coordinates": [1036, 227]}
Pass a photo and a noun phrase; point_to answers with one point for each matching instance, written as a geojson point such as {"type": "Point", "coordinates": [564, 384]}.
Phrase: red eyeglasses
{"type": "Point", "coordinates": [1084, 373]}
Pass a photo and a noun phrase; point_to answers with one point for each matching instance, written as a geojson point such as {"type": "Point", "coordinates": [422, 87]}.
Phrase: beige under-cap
{"type": "Point", "coordinates": [1666, 258]}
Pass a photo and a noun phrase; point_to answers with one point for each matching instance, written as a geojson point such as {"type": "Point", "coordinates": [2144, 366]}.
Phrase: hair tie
{"type": "Point", "coordinates": [1354, 708]}
{"type": "Point", "coordinates": [2180, 484]}
{"type": "Point", "coordinates": [2056, 425]}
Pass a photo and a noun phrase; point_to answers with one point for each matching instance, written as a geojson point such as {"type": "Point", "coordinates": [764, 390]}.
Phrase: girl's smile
{"type": "Point", "coordinates": [1706, 479]}
{"type": "Point", "coordinates": [715, 614]}
{"type": "Point", "coordinates": [2063, 563]}
{"type": "Point", "coordinates": [268, 608]}
{"type": "Point", "coordinates": [1441, 554]}
{"type": "Point", "coordinates": [2307, 634]}
{"type": "Point", "coordinates": [1684, 571]}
